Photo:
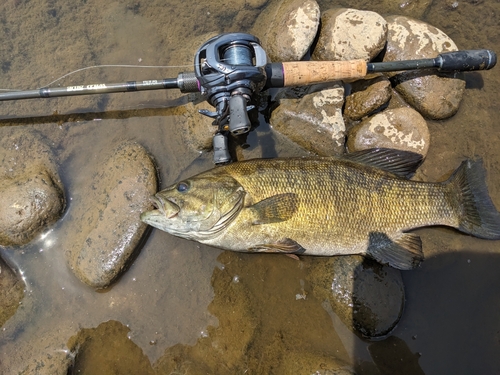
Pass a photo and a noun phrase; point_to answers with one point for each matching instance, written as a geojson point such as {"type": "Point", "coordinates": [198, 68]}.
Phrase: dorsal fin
{"type": "Point", "coordinates": [399, 162]}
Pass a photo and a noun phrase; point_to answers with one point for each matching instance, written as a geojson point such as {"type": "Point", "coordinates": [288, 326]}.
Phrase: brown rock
{"type": "Point", "coordinates": [314, 122]}
{"type": "Point", "coordinates": [107, 215]}
{"type": "Point", "coordinates": [435, 95]}
{"type": "Point", "coordinates": [287, 28]}
{"type": "Point", "coordinates": [366, 99]}
{"type": "Point", "coordinates": [400, 128]}
{"type": "Point", "coordinates": [349, 34]}
{"type": "Point", "coordinates": [31, 193]}
{"type": "Point", "coordinates": [30, 203]}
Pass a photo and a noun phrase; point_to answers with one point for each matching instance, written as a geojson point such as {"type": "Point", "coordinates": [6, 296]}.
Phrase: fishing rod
{"type": "Point", "coordinates": [231, 68]}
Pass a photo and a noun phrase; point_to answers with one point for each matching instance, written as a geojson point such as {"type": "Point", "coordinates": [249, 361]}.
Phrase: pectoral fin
{"type": "Point", "coordinates": [275, 209]}
{"type": "Point", "coordinates": [403, 252]}
{"type": "Point", "coordinates": [286, 245]}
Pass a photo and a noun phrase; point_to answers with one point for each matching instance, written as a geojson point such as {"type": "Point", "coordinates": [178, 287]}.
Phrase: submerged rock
{"type": "Point", "coordinates": [31, 193]}
{"type": "Point", "coordinates": [107, 349]}
{"type": "Point", "coordinates": [247, 287]}
{"type": "Point", "coordinates": [11, 292]}
{"type": "Point", "coordinates": [349, 34]}
{"type": "Point", "coordinates": [287, 28]}
{"type": "Point", "coordinates": [367, 296]}
{"type": "Point", "coordinates": [314, 121]}
{"type": "Point", "coordinates": [435, 95]}
{"type": "Point", "coordinates": [107, 228]}
{"type": "Point", "coordinates": [399, 128]}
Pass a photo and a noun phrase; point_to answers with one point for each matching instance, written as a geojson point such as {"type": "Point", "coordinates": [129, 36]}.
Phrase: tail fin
{"type": "Point", "coordinates": [476, 212]}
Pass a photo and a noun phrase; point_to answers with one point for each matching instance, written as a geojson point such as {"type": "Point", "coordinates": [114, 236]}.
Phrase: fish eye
{"type": "Point", "coordinates": [182, 187]}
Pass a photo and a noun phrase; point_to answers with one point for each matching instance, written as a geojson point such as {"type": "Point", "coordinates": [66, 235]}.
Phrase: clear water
{"type": "Point", "coordinates": [172, 294]}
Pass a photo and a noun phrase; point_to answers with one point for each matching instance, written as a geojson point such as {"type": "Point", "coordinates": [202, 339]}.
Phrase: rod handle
{"type": "Point", "coordinates": [298, 73]}
{"type": "Point", "coordinates": [481, 59]}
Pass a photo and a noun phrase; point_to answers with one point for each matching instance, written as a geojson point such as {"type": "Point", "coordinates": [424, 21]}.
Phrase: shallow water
{"type": "Point", "coordinates": [175, 293]}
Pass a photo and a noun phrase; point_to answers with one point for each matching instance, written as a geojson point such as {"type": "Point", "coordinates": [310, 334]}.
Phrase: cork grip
{"type": "Point", "coordinates": [297, 73]}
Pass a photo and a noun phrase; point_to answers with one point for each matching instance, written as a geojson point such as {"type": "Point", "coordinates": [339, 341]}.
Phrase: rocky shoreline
{"type": "Point", "coordinates": [380, 111]}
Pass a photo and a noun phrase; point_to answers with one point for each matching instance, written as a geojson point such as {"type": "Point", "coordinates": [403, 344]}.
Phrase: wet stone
{"type": "Point", "coordinates": [107, 227]}
{"type": "Point", "coordinates": [399, 128]}
{"type": "Point", "coordinates": [11, 292]}
{"type": "Point", "coordinates": [367, 97]}
{"type": "Point", "coordinates": [287, 28]}
{"type": "Point", "coordinates": [31, 193]}
{"type": "Point", "coordinates": [367, 296]}
{"type": "Point", "coordinates": [436, 95]}
{"type": "Point", "coordinates": [107, 349]}
{"type": "Point", "coordinates": [349, 34]}
{"type": "Point", "coordinates": [314, 121]}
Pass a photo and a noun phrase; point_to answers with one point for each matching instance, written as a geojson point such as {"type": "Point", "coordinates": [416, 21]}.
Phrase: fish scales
{"type": "Point", "coordinates": [337, 199]}
{"type": "Point", "coordinates": [360, 203]}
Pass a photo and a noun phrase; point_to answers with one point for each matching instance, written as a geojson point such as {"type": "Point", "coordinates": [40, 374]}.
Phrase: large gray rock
{"type": "Point", "coordinates": [367, 296]}
{"type": "Point", "coordinates": [287, 28]}
{"type": "Point", "coordinates": [314, 121]}
{"type": "Point", "coordinates": [435, 95]}
{"type": "Point", "coordinates": [31, 193]}
{"type": "Point", "coordinates": [349, 34]}
{"type": "Point", "coordinates": [400, 128]}
{"type": "Point", "coordinates": [106, 226]}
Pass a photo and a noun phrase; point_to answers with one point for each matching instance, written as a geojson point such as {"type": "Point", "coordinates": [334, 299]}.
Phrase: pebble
{"type": "Point", "coordinates": [106, 226]}
{"type": "Point", "coordinates": [350, 34]}
{"type": "Point", "coordinates": [31, 192]}
{"type": "Point", "coordinates": [435, 95]}
{"type": "Point", "coordinates": [400, 128]}
{"type": "Point", "coordinates": [314, 121]}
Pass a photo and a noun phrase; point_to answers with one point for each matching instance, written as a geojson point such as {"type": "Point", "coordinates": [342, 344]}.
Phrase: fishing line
{"type": "Point", "coordinates": [107, 66]}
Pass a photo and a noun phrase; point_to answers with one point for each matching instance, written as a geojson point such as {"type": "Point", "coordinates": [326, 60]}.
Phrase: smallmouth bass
{"type": "Point", "coordinates": [360, 203]}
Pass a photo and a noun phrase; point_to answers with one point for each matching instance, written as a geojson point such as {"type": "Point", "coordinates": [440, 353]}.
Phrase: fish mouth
{"type": "Point", "coordinates": [165, 206]}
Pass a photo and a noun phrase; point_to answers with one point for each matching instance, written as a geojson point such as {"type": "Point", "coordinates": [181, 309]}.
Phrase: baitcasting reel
{"type": "Point", "coordinates": [230, 68]}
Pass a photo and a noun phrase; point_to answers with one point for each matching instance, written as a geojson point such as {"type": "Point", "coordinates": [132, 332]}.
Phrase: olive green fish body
{"type": "Point", "coordinates": [334, 204]}
{"type": "Point", "coordinates": [358, 204]}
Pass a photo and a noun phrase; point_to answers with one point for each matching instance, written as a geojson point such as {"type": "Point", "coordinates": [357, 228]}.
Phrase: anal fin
{"type": "Point", "coordinates": [403, 252]}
